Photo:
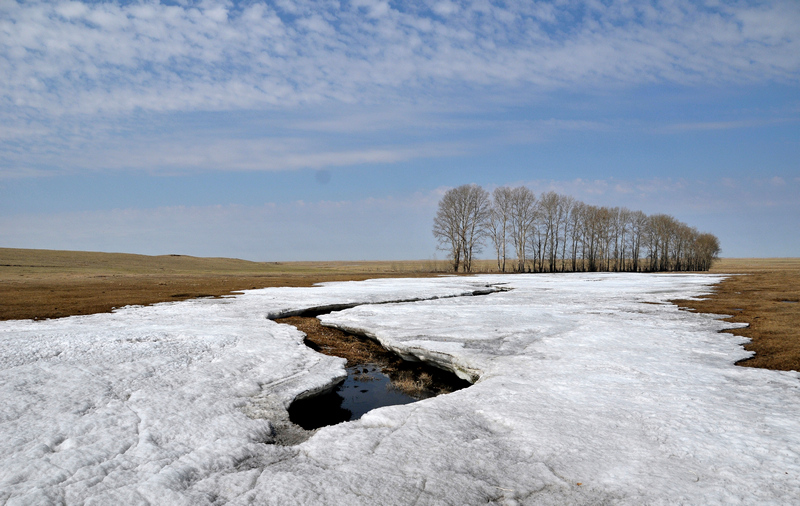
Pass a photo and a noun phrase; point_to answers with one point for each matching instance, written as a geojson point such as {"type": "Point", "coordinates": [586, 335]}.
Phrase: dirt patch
{"type": "Point", "coordinates": [757, 297]}
{"type": "Point", "coordinates": [415, 379]}
{"type": "Point", "coordinates": [334, 342]}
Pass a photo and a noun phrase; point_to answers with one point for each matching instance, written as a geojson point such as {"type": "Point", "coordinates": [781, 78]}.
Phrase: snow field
{"type": "Point", "coordinates": [590, 388]}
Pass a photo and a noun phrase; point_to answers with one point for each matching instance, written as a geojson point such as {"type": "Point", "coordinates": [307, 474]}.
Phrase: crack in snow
{"type": "Point", "coordinates": [330, 308]}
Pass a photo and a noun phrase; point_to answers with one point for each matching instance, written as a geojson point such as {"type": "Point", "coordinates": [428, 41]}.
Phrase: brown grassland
{"type": "Point", "coordinates": [766, 295]}
{"type": "Point", "coordinates": [37, 284]}
{"type": "Point", "coordinates": [40, 284]}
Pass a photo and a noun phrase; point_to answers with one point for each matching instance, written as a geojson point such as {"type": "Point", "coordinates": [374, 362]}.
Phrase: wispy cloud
{"type": "Point", "coordinates": [70, 57]}
{"type": "Point", "coordinates": [724, 125]}
{"type": "Point", "coordinates": [174, 153]}
{"type": "Point", "coordinates": [680, 195]}
{"type": "Point", "coordinates": [114, 84]}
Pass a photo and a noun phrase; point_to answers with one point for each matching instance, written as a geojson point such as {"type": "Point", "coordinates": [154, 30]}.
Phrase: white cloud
{"type": "Point", "coordinates": [445, 8]}
{"type": "Point", "coordinates": [220, 55]}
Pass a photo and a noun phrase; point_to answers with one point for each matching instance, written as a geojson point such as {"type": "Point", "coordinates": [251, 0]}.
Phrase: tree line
{"type": "Point", "coordinates": [557, 233]}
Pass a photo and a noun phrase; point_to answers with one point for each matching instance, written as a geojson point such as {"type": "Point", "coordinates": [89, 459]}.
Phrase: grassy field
{"type": "Point", "coordinates": [51, 284]}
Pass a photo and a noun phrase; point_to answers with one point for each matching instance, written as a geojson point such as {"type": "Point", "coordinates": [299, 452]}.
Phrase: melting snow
{"type": "Point", "coordinates": [585, 392]}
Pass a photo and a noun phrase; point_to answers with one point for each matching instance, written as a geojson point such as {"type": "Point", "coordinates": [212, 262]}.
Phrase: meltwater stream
{"type": "Point", "coordinates": [365, 388]}
{"type": "Point", "coordinates": [375, 378]}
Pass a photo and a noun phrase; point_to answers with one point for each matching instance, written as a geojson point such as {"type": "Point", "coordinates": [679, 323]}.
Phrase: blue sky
{"type": "Point", "coordinates": [299, 130]}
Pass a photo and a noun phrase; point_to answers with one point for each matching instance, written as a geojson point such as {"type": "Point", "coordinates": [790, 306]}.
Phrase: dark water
{"type": "Point", "coordinates": [365, 389]}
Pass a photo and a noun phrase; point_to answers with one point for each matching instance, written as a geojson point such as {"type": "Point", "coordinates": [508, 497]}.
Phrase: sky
{"type": "Point", "coordinates": [329, 130]}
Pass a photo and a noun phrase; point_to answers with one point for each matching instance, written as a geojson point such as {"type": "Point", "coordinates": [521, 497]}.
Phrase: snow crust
{"type": "Point", "coordinates": [589, 388]}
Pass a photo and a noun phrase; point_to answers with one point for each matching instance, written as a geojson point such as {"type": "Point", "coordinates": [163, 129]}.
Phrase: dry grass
{"type": "Point", "coordinates": [52, 284]}
{"type": "Point", "coordinates": [416, 385]}
{"type": "Point", "coordinates": [336, 343]}
{"type": "Point", "coordinates": [765, 295]}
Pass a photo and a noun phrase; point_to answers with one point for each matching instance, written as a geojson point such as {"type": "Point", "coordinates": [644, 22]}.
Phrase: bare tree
{"type": "Point", "coordinates": [612, 239]}
{"type": "Point", "coordinates": [478, 208]}
{"type": "Point", "coordinates": [556, 229]}
{"type": "Point", "coordinates": [460, 223]}
{"type": "Point", "coordinates": [593, 237]}
{"type": "Point", "coordinates": [548, 229]}
{"type": "Point", "coordinates": [662, 232]}
{"type": "Point", "coordinates": [638, 228]}
{"type": "Point", "coordinates": [523, 213]}
{"type": "Point", "coordinates": [624, 225]}
{"type": "Point", "coordinates": [576, 232]}
{"type": "Point", "coordinates": [707, 250]}
{"type": "Point", "coordinates": [446, 227]}
{"type": "Point", "coordinates": [500, 223]}
{"type": "Point", "coordinates": [565, 204]}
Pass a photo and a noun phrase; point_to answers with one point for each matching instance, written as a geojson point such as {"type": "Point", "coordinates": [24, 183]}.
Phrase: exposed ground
{"type": "Point", "coordinates": [767, 297]}
{"type": "Point", "coordinates": [337, 343]}
{"type": "Point", "coordinates": [414, 379]}
{"type": "Point", "coordinates": [52, 284]}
